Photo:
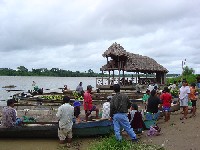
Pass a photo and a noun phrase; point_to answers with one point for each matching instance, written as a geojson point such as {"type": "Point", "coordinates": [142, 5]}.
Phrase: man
{"type": "Point", "coordinates": [119, 106]}
{"type": "Point", "coordinates": [87, 103]}
{"type": "Point", "coordinates": [9, 115]}
{"type": "Point", "coordinates": [65, 115]}
{"type": "Point", "coordinates": [183, 98]}
{"type": "Point", "coordinates": [79, 88]}
{"type": "Point", "coordinates": [153, 102]}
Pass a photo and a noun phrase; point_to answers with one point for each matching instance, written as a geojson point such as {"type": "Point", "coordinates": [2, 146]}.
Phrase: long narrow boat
{"type": "Point", "coordinates": [84, 129]}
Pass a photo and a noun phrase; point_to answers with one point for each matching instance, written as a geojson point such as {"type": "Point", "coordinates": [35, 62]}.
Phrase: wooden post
{"type": "Point", "coordinates": [136, 78]}
{"type": "Point", "coordinates": [124, 78]}
{"type": "Point", "coordinates": [102, 78]}
{"type": "Point", "coordinates": [132, 78]}
{"type": "Point", "coordinates": [113, 76]}
{"type": "Point", "coordinates": [109, 77]}
{"type": "Point", "coordinates": [119, 70]}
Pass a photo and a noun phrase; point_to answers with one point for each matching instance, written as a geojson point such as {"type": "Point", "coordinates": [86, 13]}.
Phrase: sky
{"type": "Point", "coordinates": [73, 34]}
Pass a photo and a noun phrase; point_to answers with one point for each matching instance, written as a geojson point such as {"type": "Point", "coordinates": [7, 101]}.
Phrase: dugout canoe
{"type": "Point", "coordinates": [84, 129]}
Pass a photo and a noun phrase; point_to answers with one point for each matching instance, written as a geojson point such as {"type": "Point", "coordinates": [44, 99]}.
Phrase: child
{"type": "Point", "coordinates": [135, 118]}
{"type": "Point", "coordinates": [77, 111]}
{"type": "Point", "coordinates": [146, 97]}
{"type": "Point", "coordinates": [193, 97]}
{"type": "Point", "coordinates": [166, 100]}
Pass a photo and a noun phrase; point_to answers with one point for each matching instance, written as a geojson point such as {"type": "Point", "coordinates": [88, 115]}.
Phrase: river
{"type": "Point", "coordinates": [24, 83]}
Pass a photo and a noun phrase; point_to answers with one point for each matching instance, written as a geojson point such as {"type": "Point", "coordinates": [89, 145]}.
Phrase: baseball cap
{"type": "Point", "coordinates": [76, 103]}
{"type": "Point", "coordinates": [89, 87]}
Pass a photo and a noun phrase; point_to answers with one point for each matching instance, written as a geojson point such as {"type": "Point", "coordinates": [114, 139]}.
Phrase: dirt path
{"type": "Point", "coordinates": [178, 134]}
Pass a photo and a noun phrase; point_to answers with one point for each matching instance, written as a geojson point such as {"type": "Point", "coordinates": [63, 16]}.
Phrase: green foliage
{"type": "Point", "coordinates": [174, 92]}
{"type": "Point", "coordinates": [171, 80]}
{"type": "Point", "coordinates": [189, 78]}
{"type": "Point", "coordinates": [52, 97]}
{"type": "Point", "coordinates": [56, 72]}
{"type": "Point", "coordinates": [188, 71]}
{"type": "Point", "coordinates": [77, 96]}
{"type": "Point", "coordinates": [110, 143]}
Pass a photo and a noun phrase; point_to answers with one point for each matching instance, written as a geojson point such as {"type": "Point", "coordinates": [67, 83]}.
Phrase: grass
{"type": "Point", "coordinates": [110, 143]}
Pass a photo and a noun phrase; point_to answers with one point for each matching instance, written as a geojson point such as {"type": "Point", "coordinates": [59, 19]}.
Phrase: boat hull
{"type": "Point", "coordinates": [88, 129]}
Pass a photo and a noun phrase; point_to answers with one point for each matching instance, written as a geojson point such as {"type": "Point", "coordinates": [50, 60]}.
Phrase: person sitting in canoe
{"type": "Point", "coordinates": [87, 103]}
{"type": "Point", "coordinates": [65, 89]}
{"type": "Point", "coordinates": [9, 115]}
{"type": "Point", "coordinates": [65, 115]}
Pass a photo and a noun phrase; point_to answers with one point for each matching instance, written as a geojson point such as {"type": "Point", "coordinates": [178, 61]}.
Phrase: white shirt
{"type": "Point", "coordinates": [132, 112]}
{"type": "Point", "coordinates": [106, 110]}
{"type": "Point", "coordinates": [79, 89]}
{"type": "Point", "coordinates": [184, 91]}
{"type": "Point", "coordinates": [150, 87]}
{"type": "Point", "coordinates": [65, 115]}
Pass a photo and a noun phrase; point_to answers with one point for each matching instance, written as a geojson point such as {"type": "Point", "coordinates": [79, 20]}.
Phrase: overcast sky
{"type": "Point", "coordinates": [73, 34]}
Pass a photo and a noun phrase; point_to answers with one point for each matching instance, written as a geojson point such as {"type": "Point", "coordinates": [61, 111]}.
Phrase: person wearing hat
{"type": "Point", "coordinates": [77, 110]}
{"type": "Point", "coordinates": [87, 103]}
{"type": "Point", "coordinates": [65, 115]}
{"type": "Point", "coordinates": [183, 98]}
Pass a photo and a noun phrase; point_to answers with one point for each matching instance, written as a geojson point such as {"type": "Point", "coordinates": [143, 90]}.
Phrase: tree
{"type": "Point", "coordinates": [22, 69]}
{"type": "Point", "coordinates": [188, 71]}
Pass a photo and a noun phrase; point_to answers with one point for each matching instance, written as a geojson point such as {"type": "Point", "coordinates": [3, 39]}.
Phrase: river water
{"type": "Point", "coordinates": [24, 83]}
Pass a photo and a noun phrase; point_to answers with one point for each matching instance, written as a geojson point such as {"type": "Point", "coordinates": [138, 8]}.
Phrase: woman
{"type": "Point", "coordinates": [193, 98]}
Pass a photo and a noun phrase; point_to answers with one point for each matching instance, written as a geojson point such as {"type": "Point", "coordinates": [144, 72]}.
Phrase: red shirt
{"type": "Point", "coordinates": [166, 99]}
{"type": "Point", "coordinates": [87, 101]}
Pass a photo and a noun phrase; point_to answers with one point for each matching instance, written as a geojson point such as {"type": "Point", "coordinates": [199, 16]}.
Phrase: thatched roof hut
{"type": "Point", "coordinates": [129, 62]}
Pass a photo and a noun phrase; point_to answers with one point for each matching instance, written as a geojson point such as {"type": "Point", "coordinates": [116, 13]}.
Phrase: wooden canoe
{"type": "Point", "coordinates": [84, 129]}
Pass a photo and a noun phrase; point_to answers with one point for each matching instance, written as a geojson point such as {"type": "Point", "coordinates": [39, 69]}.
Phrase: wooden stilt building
{"type": "Point", "coordinates": [119, 60]}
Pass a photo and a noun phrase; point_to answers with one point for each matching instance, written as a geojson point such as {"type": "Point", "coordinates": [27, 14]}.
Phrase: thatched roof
{"type": "Point", "coordinates": [131, 62]}
{"type": "Point", "coordinates": [116, 51]}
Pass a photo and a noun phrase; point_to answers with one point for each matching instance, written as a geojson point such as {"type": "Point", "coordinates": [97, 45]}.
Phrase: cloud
{"type": "Point", "coordinates": [74, 34]}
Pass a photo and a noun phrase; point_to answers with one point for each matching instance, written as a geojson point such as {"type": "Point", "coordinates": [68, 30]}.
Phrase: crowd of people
{"type": "Point", "coordinates": [118, 108]}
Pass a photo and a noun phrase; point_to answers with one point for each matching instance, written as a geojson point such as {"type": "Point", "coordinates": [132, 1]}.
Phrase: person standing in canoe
{"type": "Point", "coordinates": [65, 115]}
{"type": "Point", "coordinates": [87, 103]}
{"type": "Point", "coordinates": [119, 106]}
{"type": "Point", "coordinates": [79, 89]}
